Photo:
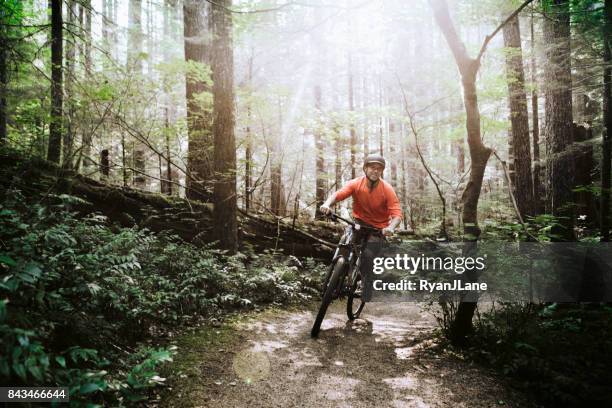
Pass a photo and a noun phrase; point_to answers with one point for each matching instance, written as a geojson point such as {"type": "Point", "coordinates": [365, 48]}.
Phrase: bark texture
{"type": "Point", "coordinates": [197, 42]}
{"type": "Point", "coordinates": [69, 72]}
{"type": "Point", "coordinates": [338, 163]}
{"type": "Point", "coordinates": [479, 153]}
{"type": "Point", "coordinates": [558, 116]}
{"type": "Point", "coordinates": [57, 100]}
{"type": "Point", "coordinates": [224, 195]}
{"type": "Point", "coordinates": [351, 108]}
{"type": "Point", "coordinates": [135, 39]}
{"type": "Point", "coordinates": [519, 118]}
{"type": "Point", "coordinates": [607, 116]}
{"type": "Point", "coordinates": [277, 196]}
{"type": "Point", "coordinates": [3, 87]}
{"type": "Point", "coordinates": [320, 184]}
{"type": "Point", "coordinates": [248, 172]}
{"type": "Point", "coordinates": [538, 190]}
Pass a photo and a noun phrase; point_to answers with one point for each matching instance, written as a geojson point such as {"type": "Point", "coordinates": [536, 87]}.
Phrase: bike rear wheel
{"type": "Point", "coordinates": [355, 302]}
{"type": "Point", "coordinates": [334, 281]}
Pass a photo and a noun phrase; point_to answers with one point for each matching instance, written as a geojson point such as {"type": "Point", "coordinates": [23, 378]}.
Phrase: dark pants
{"type": "Point", "coordinates": [373, 247]}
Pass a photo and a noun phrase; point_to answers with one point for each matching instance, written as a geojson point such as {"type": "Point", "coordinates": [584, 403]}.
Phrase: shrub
{"type": "Point", "coordinates": [78, 293]}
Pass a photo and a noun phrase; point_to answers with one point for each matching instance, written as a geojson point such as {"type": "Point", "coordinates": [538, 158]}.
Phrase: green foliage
{"type": "Point", "coordinates": [559, 352]}
{"type": "Point", "coordinates": [540, 228]}
{"type": "Point", "coordinates": [72, 288]}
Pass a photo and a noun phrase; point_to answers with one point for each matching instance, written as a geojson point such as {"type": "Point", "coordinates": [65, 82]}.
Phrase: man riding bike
{"type": "Point", "coordinates": [375, 205]}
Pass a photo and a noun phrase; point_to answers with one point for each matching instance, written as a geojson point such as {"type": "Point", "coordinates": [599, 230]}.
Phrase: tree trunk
{"type": "Point", "coordinates": [460, 152]}
{"type": "Point", "coordinates": [479, 153]}
{"type": "Point", "coordinates": [106, 24]}
{"type": "Point", "coordinates": [338, 162]}
{"type": "Point", "coordinates": [109, 30]}
{"type": "Point", "coordinates": [455, 105]}
{"type": "Point", "coordinates": [3, 87]}
{"type": "Point", "coordinates": [196, 29]}
{"type": "Point", "coordinates": [277, 197]}
{"type": "Point", "coordinates": [364, 102]}
{"type": "Point", "coordinates": [320, 184]}
{"type": "Point", "coordinates": [403, 189]}
{"type": "Point", "coordinates": [558, 117]}
{"type": "Point", "coordinates": [57, 117]}
{"type": "Point", "coordinates": [393, 129]}
{"type": "Point", "coordinates": [248, 160]}
{"type": "Point", "coordinates": [150, 36]}
{"type": "Point", "coordinates": [86, 132]}
{"type": "Point", "coordinates": [224, 196]}
{"type": "Point", "coordinates": [69, 129]}
{"type": "Point", "coordinates": [104, 164]}
{"type": "Point", "coordinates": [135, 35]}
{"type": "Point", "coordinates": [380, 120]}
{"type": "Point", "coordinates": [523, 182]}
{"type": "Point", "coordinates": [169, 12]}
{"type": "Point", "coordinates": [351, 103]}
{"type": "Point", "coordinates": [535, 123]}
{"type": "Point", "coordinates": [607, 118]}
{"type": "Point", "coordinates": [87, 32]}
{"type": "Point", "coordinates": [124, 174]}
{"type": "Point", "coordinates": [582, 156]}
{"type": "Point", "coordinates": [134, 63]}
{"type": "Point", "coordinates": [167, 184]}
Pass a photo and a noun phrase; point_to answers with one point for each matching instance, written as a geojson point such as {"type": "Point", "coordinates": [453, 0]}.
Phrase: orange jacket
{"type": "Point", "coordinates": [374, 207]}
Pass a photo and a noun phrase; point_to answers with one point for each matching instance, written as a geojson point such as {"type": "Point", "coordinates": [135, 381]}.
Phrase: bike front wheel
{"type": "Point", "coordinates": [332, 286]}
{"type": "Point", "coordinates": [355, 302]}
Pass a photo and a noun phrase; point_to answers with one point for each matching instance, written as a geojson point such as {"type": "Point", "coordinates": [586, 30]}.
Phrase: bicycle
{"type": "Point", "coordinates": [347, 258]}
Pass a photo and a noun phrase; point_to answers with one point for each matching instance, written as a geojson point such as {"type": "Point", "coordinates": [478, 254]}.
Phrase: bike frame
{"type": "Point", "coordinates": [348, 249]}
{"type": "Point", "coordinates": [347, 255]}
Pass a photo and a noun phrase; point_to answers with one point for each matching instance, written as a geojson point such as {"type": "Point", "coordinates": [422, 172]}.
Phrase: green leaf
{"type": "Point", "coordinates": [89, 388]}
{"type": "Point", "coordinates": [105, 93]}
{"type": "Point", "coordinates": [31, 273]}
{"type": "Point", "coordinates": [20, 370]}
{"type": "Point", "coordinates": [36, 372]}
{"type": "Point", "coordinates": [160, 356]}
{"type": "Point", "coordinates": [3, 304]}
{"type": "Point", "coordinates": [7, 260]}
{"type": "Point", "coordinates": [10, 283]}
{"type": "Point", "coordinates": [61, 361]}
{"type": "Point", "coordinates": [23, 340]}
{"type": "Point", "coordinates": [93, 288]}
{"type": "Point", "coordinates": [17, 353]}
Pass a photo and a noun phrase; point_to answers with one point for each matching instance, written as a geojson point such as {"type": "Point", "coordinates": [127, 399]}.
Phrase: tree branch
{"type": "Point", "coordinates": [489, 37]}
{"type": "Point", "coordinates": [416, 142]}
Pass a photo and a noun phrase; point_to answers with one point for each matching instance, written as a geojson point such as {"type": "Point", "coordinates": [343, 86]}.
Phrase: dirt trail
{"type": "Point", "coordinates": [387, 359]}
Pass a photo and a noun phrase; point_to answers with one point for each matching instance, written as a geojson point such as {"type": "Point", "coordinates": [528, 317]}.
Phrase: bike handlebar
{"type": "Point", "coordinates": [355, 225]}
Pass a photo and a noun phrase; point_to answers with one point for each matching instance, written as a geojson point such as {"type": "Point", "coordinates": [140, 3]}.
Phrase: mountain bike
{"type": "Point", "coordinates": [344, 275]}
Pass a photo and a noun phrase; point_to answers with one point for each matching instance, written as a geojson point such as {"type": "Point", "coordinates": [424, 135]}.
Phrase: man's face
{"type": "Point", "coordinates": [374, 171]}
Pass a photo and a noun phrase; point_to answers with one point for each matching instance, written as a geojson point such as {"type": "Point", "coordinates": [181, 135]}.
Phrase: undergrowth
{"type": "Point", "coordinates": [79, 295]}
{"type": "Point", "coordinates": [558, 353]}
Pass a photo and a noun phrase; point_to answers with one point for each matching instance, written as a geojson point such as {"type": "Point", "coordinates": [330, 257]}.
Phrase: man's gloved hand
{"type": "Point", "coordinates": [325, 209]}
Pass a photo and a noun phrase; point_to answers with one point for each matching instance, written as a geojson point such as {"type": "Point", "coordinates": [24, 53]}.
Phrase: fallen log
{"type": "Point", "coordinates": [190, 220]}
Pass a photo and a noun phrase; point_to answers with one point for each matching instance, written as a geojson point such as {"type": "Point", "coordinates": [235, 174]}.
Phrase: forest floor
{"type": "Point", "coordinates": [389, 358]}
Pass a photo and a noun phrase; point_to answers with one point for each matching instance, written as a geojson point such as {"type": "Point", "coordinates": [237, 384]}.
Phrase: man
{"type": "Point", "coordinates": [375, 204]}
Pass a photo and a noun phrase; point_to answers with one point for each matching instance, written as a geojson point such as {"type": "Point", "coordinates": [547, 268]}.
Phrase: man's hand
{"type": "Point", "coordinates": [388, 231]}
{"type": "Point", "coordinates": [325, 209]}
